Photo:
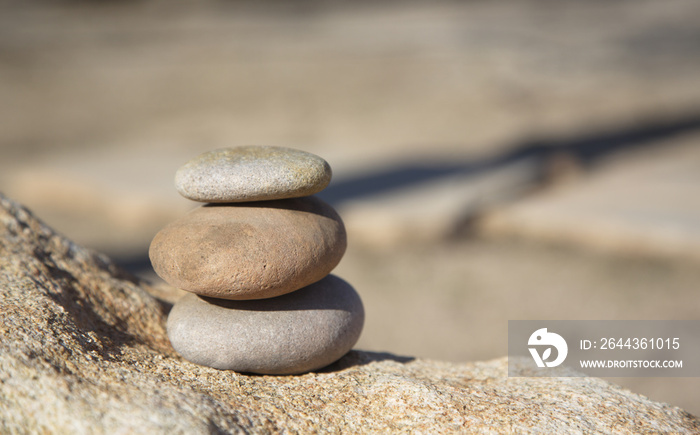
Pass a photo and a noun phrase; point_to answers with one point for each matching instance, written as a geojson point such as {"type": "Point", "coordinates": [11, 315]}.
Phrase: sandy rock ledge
{"type": "Point", "coordinates": [83, 349]}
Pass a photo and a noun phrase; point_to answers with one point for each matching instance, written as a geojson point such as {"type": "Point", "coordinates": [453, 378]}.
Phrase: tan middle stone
{"type": "Point", "coordinates": [250, 251]}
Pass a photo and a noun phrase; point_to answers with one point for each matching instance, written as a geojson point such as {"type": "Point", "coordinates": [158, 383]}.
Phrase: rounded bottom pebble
{"type": "Point", "coordinates": [295, 333]}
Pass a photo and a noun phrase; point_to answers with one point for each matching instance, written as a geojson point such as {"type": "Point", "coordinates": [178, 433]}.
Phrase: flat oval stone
{"type": "Point", "coordinates": [250, 251]}
{"type": "Point", "coordinates": [252, 173]}
{"type": "Point", "coordinates": [290, 334]}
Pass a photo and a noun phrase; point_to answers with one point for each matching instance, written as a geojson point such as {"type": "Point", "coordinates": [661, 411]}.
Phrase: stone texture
{"type": "Point", "coordinates": [252, 173]}
{"type": "Point", "coordinates": [250, 251]}
{"type": "Point", "coordinates": [294, 333]}
{"type": "Point", "coordinates": [84, 350]}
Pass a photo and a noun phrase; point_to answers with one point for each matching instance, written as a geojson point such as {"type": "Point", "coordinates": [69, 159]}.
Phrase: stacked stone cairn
{"type": "Point", "coordinates": [256, 259]}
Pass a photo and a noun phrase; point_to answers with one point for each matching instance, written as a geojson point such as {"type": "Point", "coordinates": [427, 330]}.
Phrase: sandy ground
{"type": "Point", "coordinates": [452, 301]}
{"type": "Point", "coordinates": [99, 104]}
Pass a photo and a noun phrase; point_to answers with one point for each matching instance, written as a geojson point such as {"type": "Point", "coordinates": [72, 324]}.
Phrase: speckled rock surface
{"type": "Point", "coordinates": [84, 350]}
{"type": "Point", "coordinates": [250, 251]}
{"type": "Point", "coordinates": [252, 173]}
{"type": "Point", "coordinates": [294, 333]}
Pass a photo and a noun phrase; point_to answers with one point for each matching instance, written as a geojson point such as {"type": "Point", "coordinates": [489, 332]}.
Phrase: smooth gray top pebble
{"type": "Point", "coordinates": [295, 333]}
{"type": "Point", "coordinates": [252, 173]}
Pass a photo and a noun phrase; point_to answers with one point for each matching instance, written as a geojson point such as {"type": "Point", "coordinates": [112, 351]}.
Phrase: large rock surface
{"type": "Point", "coordinates": [84, 350]}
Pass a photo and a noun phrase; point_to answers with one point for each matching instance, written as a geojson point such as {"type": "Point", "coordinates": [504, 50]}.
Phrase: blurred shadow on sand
{"type": "Point", "coordinates": [584, 150]}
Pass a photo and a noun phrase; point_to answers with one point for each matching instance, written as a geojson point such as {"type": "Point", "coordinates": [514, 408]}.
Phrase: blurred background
{"type": "Point", "coordinates": [492, 160]}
